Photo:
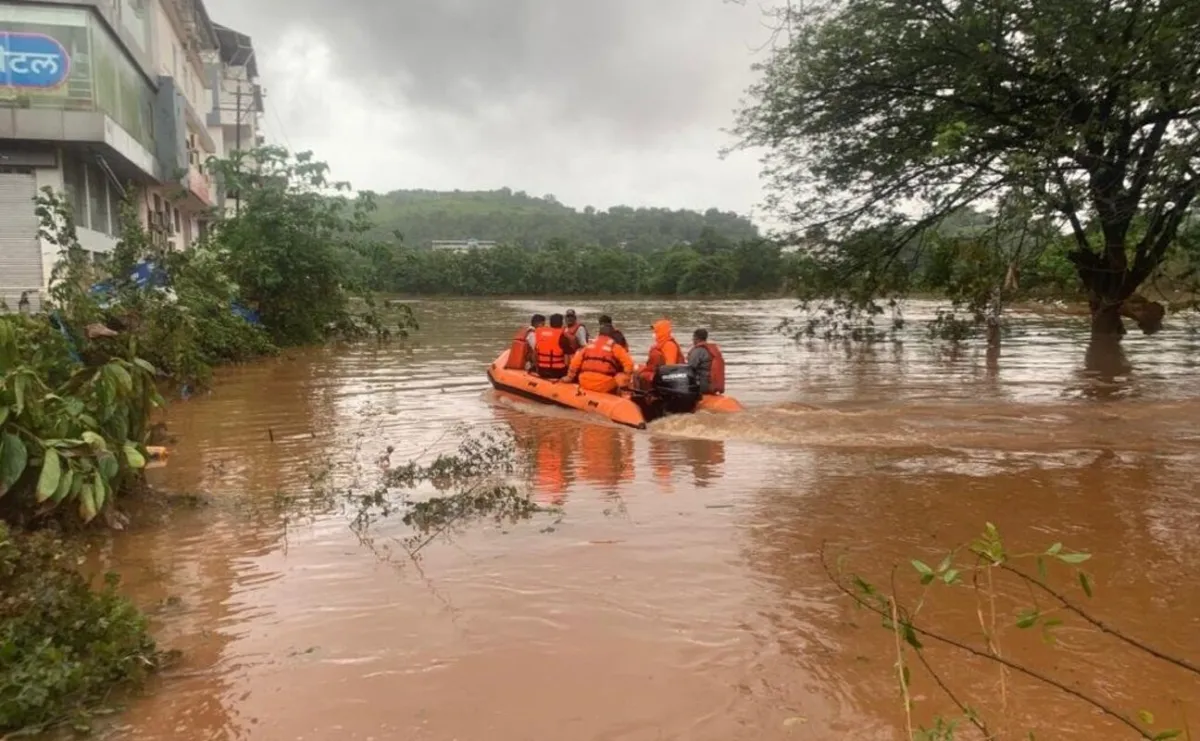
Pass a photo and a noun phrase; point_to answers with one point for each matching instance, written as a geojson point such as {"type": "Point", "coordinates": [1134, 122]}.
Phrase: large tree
{"type": "Point", "coordinates": [874, 109]}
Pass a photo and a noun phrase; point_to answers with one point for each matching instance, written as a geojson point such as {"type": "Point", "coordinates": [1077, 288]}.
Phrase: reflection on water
{"type": "Point", "coordinates": [679, 595]}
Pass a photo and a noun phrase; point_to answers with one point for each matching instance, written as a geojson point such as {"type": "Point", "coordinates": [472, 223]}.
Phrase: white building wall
{"type": "Point", "coordinates": [91, 240]}
{"type": "Point", "coordinates": [171, 59]}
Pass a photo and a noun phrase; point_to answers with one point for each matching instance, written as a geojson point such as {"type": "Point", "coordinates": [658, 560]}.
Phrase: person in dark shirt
{"type": "Point", "coordinates": [617, 335]}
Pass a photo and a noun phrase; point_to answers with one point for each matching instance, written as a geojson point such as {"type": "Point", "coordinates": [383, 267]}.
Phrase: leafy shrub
{"type": "Point", "coordinates": [70, 435]}
{"type": "Point", "coordinates": [284, 247]}
{"type": "Point", "coordinates": [63, 646]}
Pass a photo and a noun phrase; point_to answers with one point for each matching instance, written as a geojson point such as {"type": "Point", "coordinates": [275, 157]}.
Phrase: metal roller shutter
{"type": "Point", "coordinates": [20, 251]}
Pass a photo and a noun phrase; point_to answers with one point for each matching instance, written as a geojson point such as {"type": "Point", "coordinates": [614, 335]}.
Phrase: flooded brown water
{"type": "Point", "coordinates": [680, 596]}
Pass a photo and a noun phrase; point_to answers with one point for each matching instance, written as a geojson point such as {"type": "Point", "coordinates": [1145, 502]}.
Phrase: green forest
{"type": "Point", "coordinates": [712, 265]}
{"type": "Point", "coordinates": [516, 218]}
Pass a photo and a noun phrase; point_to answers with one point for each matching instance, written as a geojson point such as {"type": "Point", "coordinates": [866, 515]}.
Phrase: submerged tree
{"type": "Point", "coordinates": [1089, 107]}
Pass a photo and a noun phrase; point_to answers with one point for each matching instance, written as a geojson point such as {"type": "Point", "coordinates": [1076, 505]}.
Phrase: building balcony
{"type": "Point", "coordinates": [201, 187]}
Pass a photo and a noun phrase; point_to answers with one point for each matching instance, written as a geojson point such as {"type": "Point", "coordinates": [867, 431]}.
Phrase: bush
{"type": "Point", "coordinates": [63, 646]}
{"type": "Point", "coordinates": [69, 434]}
{"type": "Point", "coordinates": [285, 246]}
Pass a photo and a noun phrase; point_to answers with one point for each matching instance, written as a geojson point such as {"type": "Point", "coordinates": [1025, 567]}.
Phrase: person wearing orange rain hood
{"type": "Point", "coordinates": [664, 351]}
{"type": "Point", "coordinates": [603, 366]}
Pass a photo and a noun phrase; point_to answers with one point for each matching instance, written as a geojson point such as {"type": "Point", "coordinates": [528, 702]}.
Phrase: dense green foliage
{"type": "Point", "coordinates": [503, 216]}
{"type": "Point", "coordinates": [1083, 113]}
{"type": "Point", "coordinates": [709, 266]}
{"type": "Point", "coordinates": [183, 329]}
{"type": "Point", "coordinates": [284, 246]}
{"type": "Point", "coordinates": [70, 435]}
{"type": "Point", "coordinates": [64, 647]}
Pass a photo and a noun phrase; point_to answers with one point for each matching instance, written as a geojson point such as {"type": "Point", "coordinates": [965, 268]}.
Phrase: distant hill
{"type": "Point", "coordinates": [516, 218]}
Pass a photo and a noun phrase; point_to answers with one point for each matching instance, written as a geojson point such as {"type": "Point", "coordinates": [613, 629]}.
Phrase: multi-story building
{"type": "Point", "coordinates": [461, 245]}
{"type": "Point", "coordinates": [98, 97]}
{"type": "Point", "coordinates": [237, 102]}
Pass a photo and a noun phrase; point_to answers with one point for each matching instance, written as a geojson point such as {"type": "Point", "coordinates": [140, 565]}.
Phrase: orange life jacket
{"type": "Point", "coordinates": [716, 375]}
{"type": "Point", "coordinates": [598, 357]}
{"type": "Point", "coordinates": [570, 331]}
{"type": "Point", "coordinates": [665, 353]}
{"type": "Point", "coordinates": [550, 354]}
{"type": "Point", "coordinates": [518, 356]}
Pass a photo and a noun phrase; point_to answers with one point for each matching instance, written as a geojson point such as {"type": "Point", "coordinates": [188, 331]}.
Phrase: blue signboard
{"type": "Point", "coordinates": [32, 61]}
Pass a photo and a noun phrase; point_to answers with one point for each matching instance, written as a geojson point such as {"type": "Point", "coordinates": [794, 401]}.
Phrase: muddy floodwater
{"type": "Point", "coordinates": [679, 594]}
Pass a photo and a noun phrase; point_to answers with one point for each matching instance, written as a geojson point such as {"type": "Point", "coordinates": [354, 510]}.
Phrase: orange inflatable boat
{"type": "Point", "coordinates": [620, 408]}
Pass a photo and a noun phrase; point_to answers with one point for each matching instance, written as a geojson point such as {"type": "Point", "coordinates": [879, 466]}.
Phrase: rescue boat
{"type": "Point", "coordinates": [621, 408]}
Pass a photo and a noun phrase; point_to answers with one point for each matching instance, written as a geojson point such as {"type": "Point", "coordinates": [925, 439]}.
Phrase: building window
{"type": "Point", "coordinates": [114, 210]}
{"type": "Point", "coordinates": [75, 187]}
{"type": "Point", "coordinates": [97, 197]}
{"type": "Point", "coordinates": [178, 225]}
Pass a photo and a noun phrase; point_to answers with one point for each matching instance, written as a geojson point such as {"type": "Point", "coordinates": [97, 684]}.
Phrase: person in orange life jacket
{"type": "Point", "coordinates": [602, 366]}
{"type": "Point", "coordinates": [664, 351]}
{"type": "Point", "coordinates": [575, 332]}
{"type": "Point", "coordinates": [550, 349]}
{"type": "Point", "coordinates": [706, 360]}
{"type": "Point", "coordinates": [617, 335]}
{"type": "Point", "coordinates": [524, 345]}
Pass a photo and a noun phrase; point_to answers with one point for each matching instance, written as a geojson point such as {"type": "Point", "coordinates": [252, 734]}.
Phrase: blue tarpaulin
{"type": "Point", "coordinates": [148, 275]}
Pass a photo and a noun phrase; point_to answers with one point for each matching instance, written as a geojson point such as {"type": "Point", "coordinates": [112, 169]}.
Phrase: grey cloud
{"type": "Point", "coordinates": [635, 70]}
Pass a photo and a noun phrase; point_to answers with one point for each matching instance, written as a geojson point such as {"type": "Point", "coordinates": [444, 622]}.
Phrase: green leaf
{"type": "Point", "coordinates": [1054, 549]}
{"type": "Point", "coordinates": [95, 440]}
{"type": "Point", "coordinates": [1085, 582]}
{"type": "Point", "coordinates": [950, 576]}
{"type": "Point", "coordinates": [1027, 618]}
{"type": "Point", "coordinates": [51, 475]}
{"type": "Point", "coordinates": [1041, 567]}
{"type": "Point", "coordinates": [13, 459]}
{"type": "Point", "coordinates": [133, 457]}
{"type": "Point", "coordinates": [18, 386]}
{"type": "Point", "coordinates": [922, 568]}
{"type": "Point", "coordinates": [87, 503]}
{"type": "Point", "coordinates": [145, 365]}
{"type": "Point", "coordinates": [863, 585]}
{"type": "Point", "coordinates": [1074, 558]}
{"type": "Point", "coordinates": [3, 414]}
{"type": "Point", "coordinates": [945, 564]}
{"type": "Point", "coordinates": [905, 677]}
{"type": "Point", "coordinates": [109, 467]}
{"type": "Point", "coordinates": [64, 484]}
{"type": "Point", "coordinates": [910, 636]}
{"type": "Point", "coordinates": [99, 490]}
{"type": "Point", "coordinates": [1146, 717]}
{"type": "Point", "coordinates": [123, 379]}
{"type": "Point", "coordinates": [1165, 735]}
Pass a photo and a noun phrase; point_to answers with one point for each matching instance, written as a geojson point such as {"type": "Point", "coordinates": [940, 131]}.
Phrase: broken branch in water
{"type": "Point", "coordinates": [909, 630]}
{"type": "Point", "coordinates": [1098, 623]}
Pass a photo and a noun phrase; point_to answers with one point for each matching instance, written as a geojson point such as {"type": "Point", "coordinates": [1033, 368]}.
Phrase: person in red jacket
{"type": "Point", "coordinates": [551, 349]}
{"type": "Point", "coordinates": [706, 360]}
{"type": "Point", "coordinates": [602, 366]}
{"type": "Point", "coordinates": [524, 345]}
{"type": "Point", "coordinates": [664, 351]}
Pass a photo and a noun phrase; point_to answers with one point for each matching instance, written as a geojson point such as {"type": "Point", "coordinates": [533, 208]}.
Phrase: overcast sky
{"type": "Point", "coordinates": [598, 102]}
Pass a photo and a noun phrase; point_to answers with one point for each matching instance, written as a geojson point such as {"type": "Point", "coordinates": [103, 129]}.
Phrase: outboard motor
{"type": "Point", "coordinates": [677, 388]}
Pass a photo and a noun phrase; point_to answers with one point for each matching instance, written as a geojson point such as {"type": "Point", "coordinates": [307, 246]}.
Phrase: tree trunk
{"type": "Point", "coordinates": [1106, 318]}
